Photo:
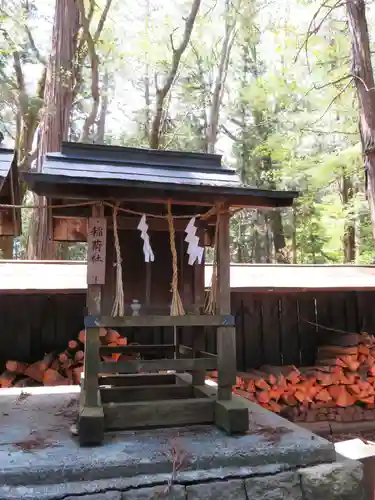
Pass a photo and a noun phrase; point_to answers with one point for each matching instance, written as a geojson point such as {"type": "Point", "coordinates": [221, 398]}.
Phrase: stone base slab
{"type": "Point", "coordinates": [274, 460]}
{"type": "Point", "coordinates": [334, 481]}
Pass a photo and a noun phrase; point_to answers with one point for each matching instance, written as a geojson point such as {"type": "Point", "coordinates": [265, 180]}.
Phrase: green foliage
{"type": "Point", "coordinates": [288, 116]}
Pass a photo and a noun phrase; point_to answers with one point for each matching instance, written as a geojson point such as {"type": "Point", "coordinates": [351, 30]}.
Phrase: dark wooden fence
{"type": "Point", "coordinates": [32, 325]}
{"type": "Point", "coordinates": [273, 328]}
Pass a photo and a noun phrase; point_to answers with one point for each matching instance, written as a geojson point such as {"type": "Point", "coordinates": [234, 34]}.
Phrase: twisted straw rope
{"type": "Point", "coordinates": [177, 309]}
{"type": "Point", "coordinates": [118, 308]}
{"type": "Point", "coordinates": [211, 295]}
{"type": "Point", "coordinates": [204, 216]}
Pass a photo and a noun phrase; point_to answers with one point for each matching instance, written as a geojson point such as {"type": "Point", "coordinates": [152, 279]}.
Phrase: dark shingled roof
{"type": "Point", "coordinates": [112, 166]}
{"type": "Point", "coordinates": [10, 193]}
{"type": "Point", "coordinates": [6, 158]}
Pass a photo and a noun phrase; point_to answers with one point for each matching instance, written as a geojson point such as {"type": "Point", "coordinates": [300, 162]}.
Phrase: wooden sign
{"type": "Point", "coordinates": [96, 250]}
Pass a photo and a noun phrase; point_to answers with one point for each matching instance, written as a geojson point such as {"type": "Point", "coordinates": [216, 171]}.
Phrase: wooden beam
{"type": "Point", "coordinates": [230, 415]}
{"type": "Point", "coordinates": [224, 320]}
{"type": "Point", "coordinates": [114, 193]}
{"type": "Point", "coordinates": [96, 250]}
{"type": "Point", "coordinates": [226, 337]}
{"type": "Point", "coordinates": [15, 195]}
{"type": "Point", "coordinates": [159, 413]}
{"type": "Point", "coordinates": [71, 228]}
{"type": "Point", "coordinates": [198, 346]}
{"type": "Point", "coordinates": [138, 379]}
{"type": "Point", "coordinates": [91, 417]}
{"type": "Point", "coordinates": [145, 393]}
{"type": "Point", "coordinates": [136, 366]}
{"type": "Point", "coordinates": [148, 281]}
{"type": "Point", "coordinates": [188, 351]}
{"type": "Point", "coordinates": [205, 196]}
{"type": "Point", "coordinates": [198, 277]}
{"type": "Point", "coordinates": [157, 348]}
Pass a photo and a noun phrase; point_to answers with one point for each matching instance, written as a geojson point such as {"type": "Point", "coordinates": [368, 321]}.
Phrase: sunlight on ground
{"type": "Point", "coordinates": [355, 449]}
{"type": "Point", "coordinates": [59, 389]}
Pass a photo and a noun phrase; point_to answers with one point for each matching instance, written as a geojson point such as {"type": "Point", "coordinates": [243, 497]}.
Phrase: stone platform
{"type": "Point", "coordinates": [39, 459]}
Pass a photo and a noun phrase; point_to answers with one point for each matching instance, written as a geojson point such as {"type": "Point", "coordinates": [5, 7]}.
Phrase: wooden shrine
{"type": "Point", "coordinates": [147, 216]}
{"type": "Point", "coordinates": [10, 215]}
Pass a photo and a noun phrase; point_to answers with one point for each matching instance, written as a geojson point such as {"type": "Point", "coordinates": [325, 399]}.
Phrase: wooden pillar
{"type": "Point", "coordinates": [231, 414]}
{"type": "Point", "coordinates": [226, 337]}
{"type": "Point", "coordinates": [198, 303]}
{"type": "Point", "coordinates": [91, 422]}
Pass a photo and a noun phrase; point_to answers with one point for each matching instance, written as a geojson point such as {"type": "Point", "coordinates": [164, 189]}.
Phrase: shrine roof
{"type": "Point", "coordinates": [86, 170]}
{"type": "Point", "coordinates": [10, 194]}
{"type": "Point", "coordinates": [6, 158]}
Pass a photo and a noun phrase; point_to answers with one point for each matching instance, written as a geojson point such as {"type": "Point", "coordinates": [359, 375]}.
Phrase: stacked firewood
{"type": "Point", "coordinates": [342, 377]}
{"type": "Point", "coordinates": [58, 369]}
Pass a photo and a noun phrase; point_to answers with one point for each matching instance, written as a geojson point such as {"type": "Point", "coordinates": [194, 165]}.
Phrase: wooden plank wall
{"type": "Point", "coordinates": [275, 328]}
{"type": "Point", "coordinates": [272, 328]}
{"type": "Point", "coordinates": [32, 325]}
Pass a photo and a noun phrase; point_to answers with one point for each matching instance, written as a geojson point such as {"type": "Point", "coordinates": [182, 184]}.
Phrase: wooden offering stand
{"type": "Point", "coordinates": [146, 279]}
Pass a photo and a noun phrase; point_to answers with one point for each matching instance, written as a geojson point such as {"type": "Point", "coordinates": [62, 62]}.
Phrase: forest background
{"type": "Point", "coordinates": [269, 84]}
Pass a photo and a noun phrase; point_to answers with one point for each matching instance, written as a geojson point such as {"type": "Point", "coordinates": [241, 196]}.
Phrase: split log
{"type": "Point", "coordinates": [82, 336]}
{"type": "Point", "coordinates": [25, 382]}
{"type": "Point", "coordinates": [7, 378]}
{"type": "Point", "coordinates": [53, 378]}
{"type": "Point", "coordinates": [344, 377]}
{"type": "Point", "coordinates": [63, 357]}
{"type": "Point", "coordinates": [337, 350]}
{"type": "Point", "coordinates": [112, 336]}
{"type": "Point", "coordinates": [36, 370]}
{"type": "Point", "coordinates": [77, 372]}
{"type": "Point", "coordinates": [16, 367]}
{"type": "Point", "coordinates": [79, 357]}
{"type": "Point", "coordinates": [66, 365]}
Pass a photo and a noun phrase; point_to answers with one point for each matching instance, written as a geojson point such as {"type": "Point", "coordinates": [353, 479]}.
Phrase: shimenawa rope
{"type": "Point", "coordinates": [177, 309]}
{"type": "Point", "coordinates": [111, 205]}
{"type": "Point", "coordinates": [210, 302]}
{"type": "Point", "coordinates": [118, 305]}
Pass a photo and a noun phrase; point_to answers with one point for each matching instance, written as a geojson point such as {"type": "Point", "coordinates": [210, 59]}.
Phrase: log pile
{"type": "Point", "coordinates": [54, 369]}
{"type": "Point", "coordinates": [340, 386]}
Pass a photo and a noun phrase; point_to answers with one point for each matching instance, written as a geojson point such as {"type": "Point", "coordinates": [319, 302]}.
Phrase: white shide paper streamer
{"type": "Point", "coordinates": [194, 251]}
{"type": "Point", "coordinates": [147, 250]}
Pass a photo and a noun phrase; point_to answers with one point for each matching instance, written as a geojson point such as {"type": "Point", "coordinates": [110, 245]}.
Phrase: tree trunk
{"type": "Point", "coordinates": [217, 94]}
{"type": "Point", "coordinates": [349, 237]}
{"type": "Point", "coordinates": [275, 219]}
{"type": "Point", "coordinates": [364, 81]}
{"type": "Point", "coordinates": [100, 133]}
{"type": "Point", "coordinates": [278, 237]}
{"type": "Point", "coordinates": [27, 119]}
{"type": "Point", "coordinates": [58, 102]}
{"type": "Point", "coordinates": [94, 66]}
{"type": "Point", "coordinates": [294, 237]}
{"type": "Point", "coordinates": [163, 91]}
{"type": "Point", "coordinates": [146, 79]}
